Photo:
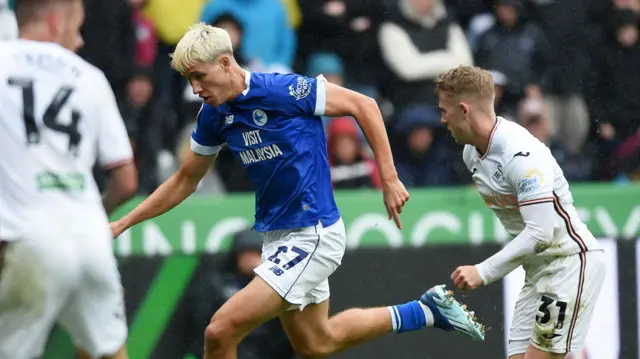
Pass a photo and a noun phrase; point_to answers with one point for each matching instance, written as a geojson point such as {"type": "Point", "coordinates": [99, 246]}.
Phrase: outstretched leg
{"type": "Point", "coordinates": [314, 335]}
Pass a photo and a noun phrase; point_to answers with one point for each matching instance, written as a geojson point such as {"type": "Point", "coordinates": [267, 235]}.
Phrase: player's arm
{"type": "Point", "coordinates": [344, 102]}
{"type": "Point", "coordinates": [536, 236]}
{"type": "Point", "coordinates": [171, 193]}
{"type": "Point", "coordinates": [298, 95]}
{"type": "Point", "coordinates": [114, 149]}
{"type": "Point", "coordinates": [121, 186]}
{"type": "Point", "coordinates": [205, 146]}
{"type": "Point", "coordinates": [533, 178]}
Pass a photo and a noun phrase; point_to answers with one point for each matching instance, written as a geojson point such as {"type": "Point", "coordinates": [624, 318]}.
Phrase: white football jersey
{"type": "Point", "coordinates": [519, 170]}
{"type": "Point", "coordinates": [58, 116]}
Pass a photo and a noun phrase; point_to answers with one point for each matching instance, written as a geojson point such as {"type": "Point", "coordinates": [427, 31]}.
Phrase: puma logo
{"type": "Point", "coordinates": [523, 154]}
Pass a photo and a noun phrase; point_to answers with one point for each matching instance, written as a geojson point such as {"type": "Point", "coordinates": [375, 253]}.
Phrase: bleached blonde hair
{"type": "Point", "coordinates": [202, 43]}
{"type": "Point", "coordinates": [466, 80]}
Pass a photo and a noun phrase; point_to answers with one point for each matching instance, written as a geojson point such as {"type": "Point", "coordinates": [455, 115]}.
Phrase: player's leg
{"type": "Point", "coordinates": [94, 315]}
{"type": "Point", "coordinates": [314, 335]}
{"type": "Point", "coordinates": [280, 283]}
{"type": "Point", "coordinates": [38, 272]}
{"type": "Point", "coordinates": [255, 304]}
{"type": "Point", "coordinates": [524, 315]}
{"type": "Point", "coordinates": [568, 289]}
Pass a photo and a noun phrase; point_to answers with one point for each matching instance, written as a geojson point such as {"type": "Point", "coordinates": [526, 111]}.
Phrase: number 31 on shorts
{"type": "Point", "coordinates": [289, 257]}
{"type": "Point", "coordinates": [547, 305]}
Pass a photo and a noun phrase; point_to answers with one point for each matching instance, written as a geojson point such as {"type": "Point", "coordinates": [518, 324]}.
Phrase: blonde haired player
{"type": "Point", "coordinates": [58, 115]}
{"type": "Point", "coordinates": [272, 123]}
{"type": "Point", "coordinates": [521, 182]}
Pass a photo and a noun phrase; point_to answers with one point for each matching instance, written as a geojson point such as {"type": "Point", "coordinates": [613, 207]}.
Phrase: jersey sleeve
{"type": "Point", "coordinates": [297, 95]}
{"type": "Point", "coordinates": [114, 147]}
{"type": "Point", "coordinates": [532, 176]}
{"type": "Point", "coordinates": [205, 139]}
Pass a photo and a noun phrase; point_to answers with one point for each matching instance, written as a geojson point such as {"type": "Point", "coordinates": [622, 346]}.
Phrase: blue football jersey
{"type": "Point", "coordinates": [275, 130]}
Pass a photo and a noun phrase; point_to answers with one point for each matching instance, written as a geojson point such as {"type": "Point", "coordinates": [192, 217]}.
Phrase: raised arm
{"type": "Point", "coordinates": [298, 95]}
{"type": "Point", "coordinates": [343, 102]}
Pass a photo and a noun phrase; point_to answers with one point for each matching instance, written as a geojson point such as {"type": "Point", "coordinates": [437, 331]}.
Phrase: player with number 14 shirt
{"type": "Point", "coordinates": [58, 118]}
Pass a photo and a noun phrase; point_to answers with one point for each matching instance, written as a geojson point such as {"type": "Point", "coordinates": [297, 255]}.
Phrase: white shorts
{"type": "Point", "coordinates": [66, 276]}
{"type": "Point", "coordinates": [555, 306]}
{"type": "Point", "coordinates": [297, 263]}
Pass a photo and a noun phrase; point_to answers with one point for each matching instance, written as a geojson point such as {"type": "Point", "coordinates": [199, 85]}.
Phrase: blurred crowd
{"type": "Point", "coordinates": [567, 70]}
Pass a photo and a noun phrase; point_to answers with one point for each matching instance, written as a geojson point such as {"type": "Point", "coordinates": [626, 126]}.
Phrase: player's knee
{"type": "Point", "coordinates": [315, 348]}
{"type": "Point", "coordinates": [219, 332]}
{"type": "Point", "coordinates": [315, 351]}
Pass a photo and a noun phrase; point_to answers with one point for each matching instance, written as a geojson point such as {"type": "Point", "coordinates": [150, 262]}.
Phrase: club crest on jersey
{"type": "Point", "coordinates": [259, 117]}
{"type": "Point", "coordinates": [498, 175]}
{"type": "Point", "coordinates": [531, 182]}
{"type": "Point", "coordinates": [301, 90]}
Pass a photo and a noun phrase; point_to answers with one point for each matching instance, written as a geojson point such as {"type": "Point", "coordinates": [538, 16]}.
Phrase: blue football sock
{"type": "Point", "coordinates": [410, 317]}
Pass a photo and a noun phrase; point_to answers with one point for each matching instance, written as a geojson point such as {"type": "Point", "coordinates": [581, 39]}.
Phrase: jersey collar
{"type": "Point", "coordinates": [493, 132]}
{"type": "Point", "coordinates": [247, 82]}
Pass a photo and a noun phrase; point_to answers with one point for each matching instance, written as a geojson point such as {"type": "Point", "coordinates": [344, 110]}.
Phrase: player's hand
{"type": "Point", "coordinates": [395, 196]}
{"type": "Point", "coordinates": [466, 278]}
{"type": "Point", "coordinates": [117, 228]}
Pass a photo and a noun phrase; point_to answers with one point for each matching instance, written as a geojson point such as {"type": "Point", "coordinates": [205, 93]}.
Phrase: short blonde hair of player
{"type": "Point", "coordinates": [202, 43]}
{"type": "Point", "coordinates": [466, 81]}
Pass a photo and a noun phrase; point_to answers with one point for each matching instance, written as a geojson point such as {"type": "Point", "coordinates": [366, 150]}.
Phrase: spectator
{"type": "Point", "coordinates": [517, 48]}
{"type": "Point", "coordinates": [466, 10]}
{"type": "Point", "coordinates": [606, 142]}
{"type": "Point", "coordinates": [328, 65]}
{"type": "Point", "coordinates": [211, 183]}
{"type": "Point", "coordinates": [294, 13]}
{"type": "Point", "coordinates": [626, 161]}
{"type": "Point", "coordinates": [171, 19]}
{"type": "Point", "coordinates": [533, 116]}
{"type": "Point", "coordinates": [423, 157]}
{"type": "Point", "coordinates": [569, 28]}
{"type": "Point", "coordinates": [268, 40]}
{"type": "Point", "coordinates": [143, 116]}
{"type": "Point", "coordinates": [418, 41]}
{"type": "Point", "coordinates": [109, 40]}
{"type": "Point", "coordinates": [478, 25]}
{"type": "Point", "coordinates": [633, 5]}
{"type": "Point", "coordinates": [213, 289]}
{"type": "Point", "coordinates": [236, 33]}
{"type": "Point", "coordinates": [8, 22]}
{"type": "Point", "coordinates": [347, 28]}
{"type": "Point", "coordinates": [500, 82]}
{"type": "Point", "coordinates": [616, 76]}
{"type": "Point", "coordinates": [351, 166]}
{"type": "Point", "coordinates": [146, 40]}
